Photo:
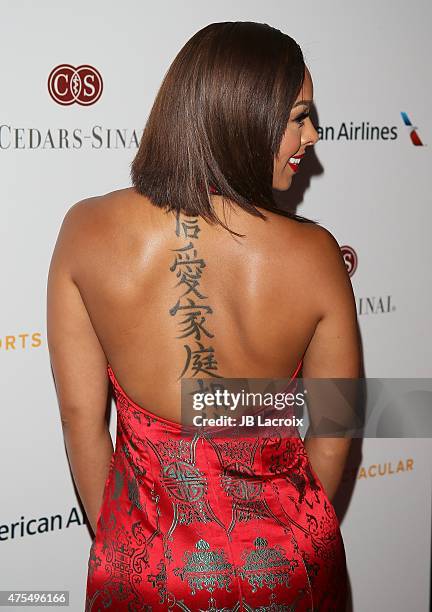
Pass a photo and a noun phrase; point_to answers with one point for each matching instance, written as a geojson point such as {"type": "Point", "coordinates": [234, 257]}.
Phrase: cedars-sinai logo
{"type": "Point", "coordinates": [69, 85]}
{"type": "Point", "coordinates": [350, 258]}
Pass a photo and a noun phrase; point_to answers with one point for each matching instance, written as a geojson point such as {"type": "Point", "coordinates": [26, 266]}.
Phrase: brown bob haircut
{"type": "Point", "coordinates": [218, 120]}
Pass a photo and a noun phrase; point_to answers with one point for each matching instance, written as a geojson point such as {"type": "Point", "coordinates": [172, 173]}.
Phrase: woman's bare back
{"type": "Point", "coordinates": [168, 300]}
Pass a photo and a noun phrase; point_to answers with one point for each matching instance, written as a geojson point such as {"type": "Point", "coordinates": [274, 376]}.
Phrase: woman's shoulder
{"type": "Point", "coordinates": [318, 239]}
{"type": "Point", "coordinates": [318, 256]}
{"type": "Point", "coordinates": [104, 205]}
{"type": "Point", "coordinates": [103, 215]}
{"type": "Point", "coordinates": [326, 268]}
{"type": "Point", "coordinates": [311, 240]}
{"type": "Point", "coordinates": [95, 225]}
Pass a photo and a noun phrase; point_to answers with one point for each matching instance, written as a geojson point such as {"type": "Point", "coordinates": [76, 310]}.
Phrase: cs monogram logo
{"type": "Point", "coordinates": [350, 259]}
{"type": "Point", "coordinates": [69, 85]}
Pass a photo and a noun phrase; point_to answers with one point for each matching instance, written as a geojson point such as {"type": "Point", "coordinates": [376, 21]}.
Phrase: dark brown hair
{"type": "Point", "coordinates": [218, 120]}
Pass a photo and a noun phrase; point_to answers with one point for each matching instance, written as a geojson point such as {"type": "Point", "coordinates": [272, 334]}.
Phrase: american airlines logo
{"type": "Point", "coordinates": [412, 129]}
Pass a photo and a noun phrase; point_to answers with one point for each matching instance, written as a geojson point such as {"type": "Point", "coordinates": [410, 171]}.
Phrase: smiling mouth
{"type": "Point", "coordinates": [294, 162]}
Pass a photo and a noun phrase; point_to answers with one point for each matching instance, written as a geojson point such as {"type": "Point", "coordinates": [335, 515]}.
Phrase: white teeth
{"type": "Point", "coordinates": [293, 160]}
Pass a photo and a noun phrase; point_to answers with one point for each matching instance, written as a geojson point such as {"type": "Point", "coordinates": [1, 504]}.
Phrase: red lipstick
{"type": "Point", "coordinates": [294, 165]}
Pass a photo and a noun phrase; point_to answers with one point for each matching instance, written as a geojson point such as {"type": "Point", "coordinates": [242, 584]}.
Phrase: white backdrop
{"type": "Point", "coordinates": [369, 63]}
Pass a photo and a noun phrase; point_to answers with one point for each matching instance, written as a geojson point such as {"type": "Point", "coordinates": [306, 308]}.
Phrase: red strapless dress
{"type": "Point", "coordinates": [195, 524]}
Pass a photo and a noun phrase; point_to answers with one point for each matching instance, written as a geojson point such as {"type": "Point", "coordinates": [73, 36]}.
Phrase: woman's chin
{"type": "Point", "coordinates": [283, 185]}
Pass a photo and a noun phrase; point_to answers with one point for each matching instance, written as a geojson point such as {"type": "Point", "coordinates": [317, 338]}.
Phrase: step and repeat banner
{"type": "Point", "coordinates": [77, 83]}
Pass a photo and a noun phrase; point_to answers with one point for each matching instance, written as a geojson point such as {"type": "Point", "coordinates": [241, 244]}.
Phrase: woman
{"type": "Point", "coordinates": [150, 285]}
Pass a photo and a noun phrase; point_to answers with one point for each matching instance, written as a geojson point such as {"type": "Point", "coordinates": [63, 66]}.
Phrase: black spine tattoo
{"type": "Point", "coordinates": [200, 357]}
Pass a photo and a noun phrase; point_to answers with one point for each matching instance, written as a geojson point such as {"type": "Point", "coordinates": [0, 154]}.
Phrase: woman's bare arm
{"type": "Point", "coordinates": [333, 352]}
{"type": "Point", "coordinates": [79, 366]}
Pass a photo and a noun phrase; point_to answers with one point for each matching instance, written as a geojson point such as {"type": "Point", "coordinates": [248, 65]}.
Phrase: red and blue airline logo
{"type": "Point", "coordinates": [415, 138]}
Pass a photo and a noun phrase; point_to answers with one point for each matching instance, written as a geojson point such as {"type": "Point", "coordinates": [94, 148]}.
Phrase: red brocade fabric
{"type": "Point", "coordinates": [212, 524]}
